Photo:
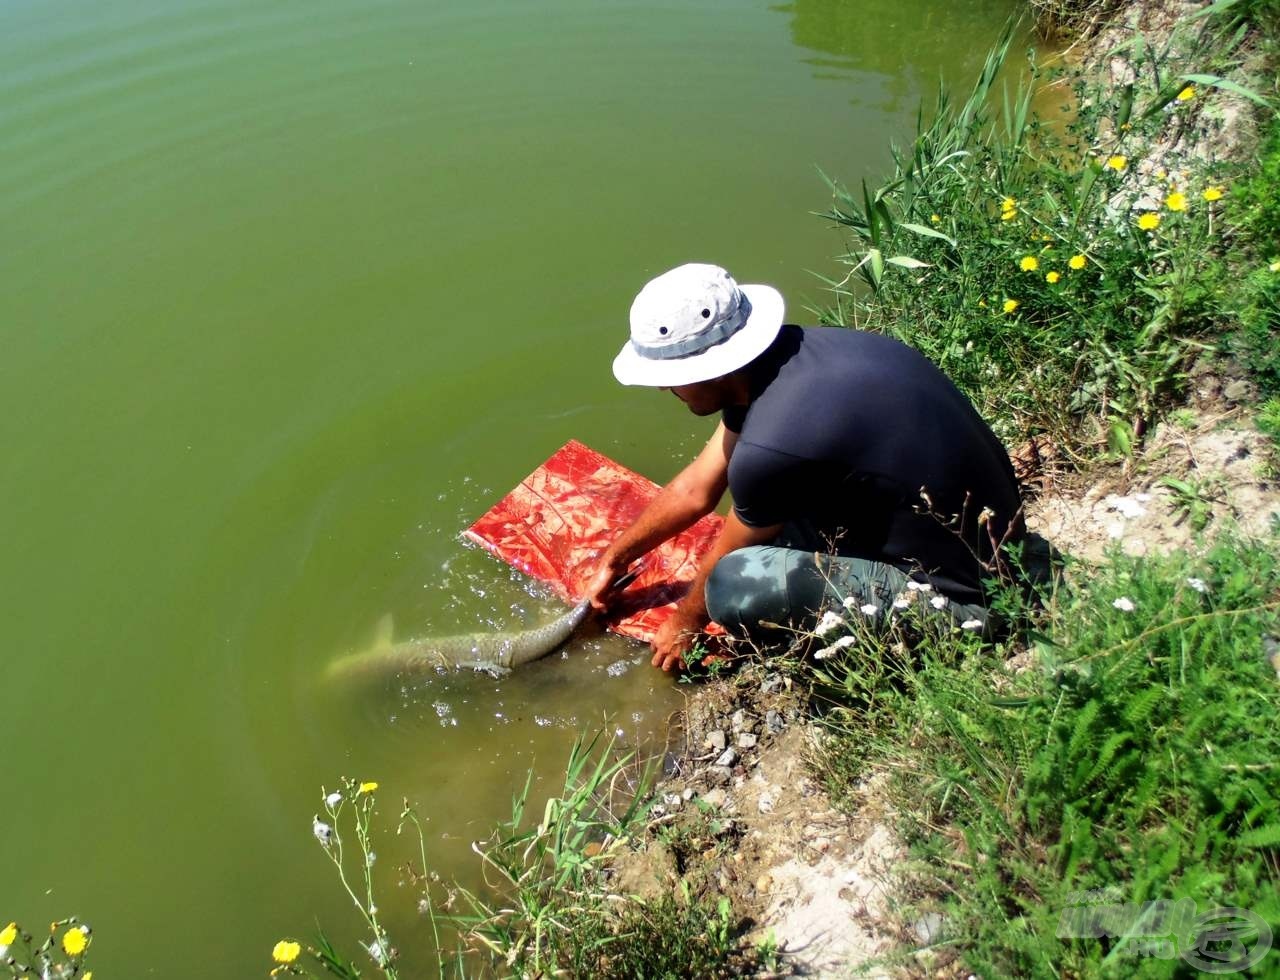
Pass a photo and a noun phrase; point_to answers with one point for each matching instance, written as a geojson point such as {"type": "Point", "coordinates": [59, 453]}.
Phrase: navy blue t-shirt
{"type": "Point", "coordinates": [865, 441]}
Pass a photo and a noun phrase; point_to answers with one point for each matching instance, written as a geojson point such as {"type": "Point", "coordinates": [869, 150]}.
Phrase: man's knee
{"type": "Point", "coordinates": [763, 584]}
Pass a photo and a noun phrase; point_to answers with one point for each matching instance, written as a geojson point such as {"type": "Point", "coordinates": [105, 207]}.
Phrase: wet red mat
{"type": "Point", "coordinates": [563, 515]}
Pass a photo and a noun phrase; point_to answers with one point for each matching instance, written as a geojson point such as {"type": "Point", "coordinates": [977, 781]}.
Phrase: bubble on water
{"type": "Point", "coordinates": [542, 721]}
{"type": "Point", "coordinates": [617, 668]}
{"type": "Point", "coordinates": [445, 714]}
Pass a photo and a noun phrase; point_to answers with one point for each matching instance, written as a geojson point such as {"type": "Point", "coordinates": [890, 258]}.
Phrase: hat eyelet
{"type": "Point", "coordinates": [706, 314]}
{"type": "Point", "coordinates": [663, 331]}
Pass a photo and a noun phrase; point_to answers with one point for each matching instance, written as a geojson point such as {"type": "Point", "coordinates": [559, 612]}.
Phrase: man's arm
{"type": "Point", "coordinates": [677, 634]}
{"type": "Point", "coordinates": [691, 495]}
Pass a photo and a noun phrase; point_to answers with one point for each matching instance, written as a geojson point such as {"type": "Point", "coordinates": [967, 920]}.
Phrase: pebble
{"type": "Point", "coordinates": [727, 758]}
{"type": "Point", "coordinates": [929, 927]}
{"type": "Point", "coordinates": [716, 741]}
{"type": "Point", "coordinates": [673, 801]}
{"type": "Point", "coordinates": [718, 776]}
{"type": "Point", "coordinates": [1237, 391]}
{"type": "Point", "coordinates": [746, 740]}
{"type": "Point", "coordinates": [742, 722]}
{"type": "Point", "coordinates": [764, 883]}
{"type": "Point", "coordinates": [771, 684]}
{"type": "Point", "coordinates": [766, 804]}
{"type": "Point", "coordinates": [773, 721]}
{"type": "Point", "coordinates": [688, 794]}
{"type": "Point", "coordinates": [716, 798]}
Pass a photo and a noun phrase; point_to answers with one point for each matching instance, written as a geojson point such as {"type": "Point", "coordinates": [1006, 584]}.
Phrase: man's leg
{"type": "Point", "coordinates": [791, 587]}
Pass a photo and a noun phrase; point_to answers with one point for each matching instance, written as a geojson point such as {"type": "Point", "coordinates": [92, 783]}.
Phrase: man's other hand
{"type": "Point", "coordinates": [674, 639]}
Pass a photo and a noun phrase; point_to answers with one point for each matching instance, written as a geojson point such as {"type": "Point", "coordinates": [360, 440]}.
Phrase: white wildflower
{"type": "Point", "coordinates": [971, 624]}
{"type": "Point", "coordinates": [840, 644]}
{"type": "Point", "coordinates": [333, 799]}
{"type": "Point", "coordinates": [1124, 604]}
{"type": "Point", "coordinates": [869, 609]}
{"type": "Point", "coordinates": [850, 602]}
{"type": "Point", "coordinates": [915, 586]}
{"type": "Point", "coordinates": [379, 951]}
{"type": "Point", "coordinates": [902, 602]}
{"type": "Point", "coordinates": [1198, 584]}
{"type": "Point", "coordinates": [323, 832]}
{"type": "Point", "coordinates": [938, 602]}
{"type": "Point", "coordinates": [829, 622]}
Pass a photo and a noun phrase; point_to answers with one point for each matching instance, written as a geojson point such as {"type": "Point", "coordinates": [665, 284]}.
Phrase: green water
{"type": "Point", "coordinates": [292, 292]}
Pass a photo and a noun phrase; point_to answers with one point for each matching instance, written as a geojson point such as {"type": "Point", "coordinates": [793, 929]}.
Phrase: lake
{"type": "Point", "coordinates": [293, 292]}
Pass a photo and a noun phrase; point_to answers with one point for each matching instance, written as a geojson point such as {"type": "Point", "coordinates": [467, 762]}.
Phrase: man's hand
{"type": "Point", "coordinates": [675, 638]}
{"type": "Point", "coordinates": [607, 572]}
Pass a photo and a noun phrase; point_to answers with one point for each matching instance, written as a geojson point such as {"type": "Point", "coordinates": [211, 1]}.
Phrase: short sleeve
{"type": "Point", "coordinates": [764, 484]}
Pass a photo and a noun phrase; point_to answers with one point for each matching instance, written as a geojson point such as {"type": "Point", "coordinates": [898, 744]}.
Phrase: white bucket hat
{"type": "Point", "coordinates": [695, 323]}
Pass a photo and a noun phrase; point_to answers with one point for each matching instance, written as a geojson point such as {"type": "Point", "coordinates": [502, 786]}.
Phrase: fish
{"type": "Point", "coordinates": [494, 652]}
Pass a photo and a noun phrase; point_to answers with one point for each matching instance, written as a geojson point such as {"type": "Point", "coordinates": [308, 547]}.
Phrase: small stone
{"type": "Point", "coordinates": [773, 721]}
{"type": "Point", "coordinates": [673, 801]}
{"type": "Point", "coordinates": [929, 928]}
{"type": "Point", "coordinates": [765, 805]}
{"type": "Point", "coordinates": [771, 685]}
{"type": "Point", "coordinates": [746, 740]}
{"type": "Point", "coordinates": [719, 776]}
{"type": "Point", "coordinates": [764, 883]}
{"type": "Point", "coordinates": [716, 741]}
{"type": "Point", "coordinates": [688, 794]}
{"type": "Point", "coordinates": [728, 757]}
{"type": "Point", "coordinates": [1238, 391]}
{"type": "Point", "coordinates": [716, 798]}
{"type": "Point", "coordinates": [742, 722]}
{"type": "Point", "coordinates": [821, 845]}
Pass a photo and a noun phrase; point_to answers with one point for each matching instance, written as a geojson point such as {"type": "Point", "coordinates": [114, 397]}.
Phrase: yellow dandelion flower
{"type": "Point", "coordinates": [1177, 201]}
{"type": "Point", "coordinates": [982, 303]}
{"type": "Point", "coordinates": [1212, 193]}
{"type": "Point", "coordinates": [1029, 263]}
{"type": "Point", "coordinates": [88, 975]}
{"type": "Point", "coordinates": [286, 951]}
{"type": "Point", "coordinates": [74, 942]}
{"type": "Point", "coordinates": [1275, 266]}
{"type": "Point", "coordinates": [1149, 221]}
{"type": "Point", "coordinates": [1008, 204]}
{"type": "Point", "coordinates": [8, 934]}
{"type": "Point", "coordinates": [1117, 162]}
{"type": "Point", "coordinates": [1052, 277]}
{"type": "Point", "coordinates": [1161, 174]}
{"type": "Point", "coordinates": [1187, 94]}
{"type": "Point", "coordinates": [1010, 305]}
{"type": "Point", "coordinates": [935, 219]}
{"type": "Point", "coordinates": [1076, 262]}
{"type": "Point", "coordinates": [1008, 215]}
{"type": "Point", "coordinates": [368, 787]}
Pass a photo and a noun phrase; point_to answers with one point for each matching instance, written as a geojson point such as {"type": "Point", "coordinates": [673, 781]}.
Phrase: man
{"type": "Point", "coordinates": [858, 471]}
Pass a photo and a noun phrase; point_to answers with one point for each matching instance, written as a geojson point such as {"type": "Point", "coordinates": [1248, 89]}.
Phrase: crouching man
{"type": "Point", "coordinates": [855, 466]}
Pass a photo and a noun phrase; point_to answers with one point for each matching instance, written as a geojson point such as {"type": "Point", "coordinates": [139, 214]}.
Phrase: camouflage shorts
{"type": "Point", "coordinates": [792, 587]}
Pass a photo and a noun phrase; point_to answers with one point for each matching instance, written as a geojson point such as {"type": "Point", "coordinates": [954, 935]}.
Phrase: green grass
{"type": "Point", "coordinates": [1139, 754]}
{"type": "Point", "coordinates": [1063, 272]}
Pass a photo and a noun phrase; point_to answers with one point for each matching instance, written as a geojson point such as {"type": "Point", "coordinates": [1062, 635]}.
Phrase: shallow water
{"type": "Point", "coordinates": [293, 293]}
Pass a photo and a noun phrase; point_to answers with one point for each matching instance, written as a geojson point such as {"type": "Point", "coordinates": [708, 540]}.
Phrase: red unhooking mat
{"type": "Point", "coordinates": [562, 516]}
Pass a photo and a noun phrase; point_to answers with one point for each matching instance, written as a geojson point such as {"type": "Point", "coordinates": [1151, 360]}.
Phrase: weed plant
{"type": "Point", "coordinates": [547, 908]}
{"type": "Point", "coordinates": [1062, 272]}
{"type": "Point", "coordinates": [61, 954]}
{"type": "Point", "coordinates": [1136, 758]}
{"type": "Point", "coordinates": [1255, 217]}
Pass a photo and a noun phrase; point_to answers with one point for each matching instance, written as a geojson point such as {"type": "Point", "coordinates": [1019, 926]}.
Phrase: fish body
{"type": "Point", "coordinates": [480, 651]}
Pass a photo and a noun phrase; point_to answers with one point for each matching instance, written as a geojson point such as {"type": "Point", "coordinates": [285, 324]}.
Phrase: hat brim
{"type": "Point", "coordinates": [762, 326]}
